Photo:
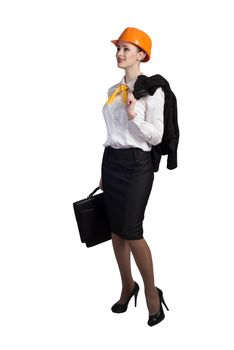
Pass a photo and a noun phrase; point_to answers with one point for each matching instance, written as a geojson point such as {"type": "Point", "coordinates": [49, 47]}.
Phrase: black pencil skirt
{"type": "Point", "coordinates": [127, 179]}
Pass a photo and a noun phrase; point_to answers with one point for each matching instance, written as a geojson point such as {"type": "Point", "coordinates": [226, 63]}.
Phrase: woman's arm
{"type": "Point", "coordinates": [146, 114]}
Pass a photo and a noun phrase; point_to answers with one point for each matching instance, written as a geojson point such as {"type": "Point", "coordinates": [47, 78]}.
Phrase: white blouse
{"type": "Point", "coordinates": [145, 130]}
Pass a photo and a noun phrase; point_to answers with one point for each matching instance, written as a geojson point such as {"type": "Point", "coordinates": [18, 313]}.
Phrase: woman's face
{"type": "Point", "coordinates": [127, 54]}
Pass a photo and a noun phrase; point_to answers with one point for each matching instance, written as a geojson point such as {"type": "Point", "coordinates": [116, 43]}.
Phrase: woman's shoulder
{"type": "Point", "coordinates": [112, 89]}
{"type": "Point", "coordinates": [159, 95]}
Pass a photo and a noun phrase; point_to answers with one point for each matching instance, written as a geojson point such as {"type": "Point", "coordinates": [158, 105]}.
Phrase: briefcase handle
{"type": "Point", "coordinates": [92, 193]}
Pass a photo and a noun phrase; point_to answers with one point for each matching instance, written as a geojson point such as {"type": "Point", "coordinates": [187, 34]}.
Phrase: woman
{"type": "Point", "coordinates": [133, 126]}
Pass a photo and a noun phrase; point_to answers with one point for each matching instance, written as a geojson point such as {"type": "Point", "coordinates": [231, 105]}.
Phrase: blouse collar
{"type": "Point", "coordinates": [130, 83]}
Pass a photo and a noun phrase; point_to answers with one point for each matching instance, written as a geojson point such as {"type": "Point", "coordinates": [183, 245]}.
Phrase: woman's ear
{"type": "Point", "coordinates": [142, 55]}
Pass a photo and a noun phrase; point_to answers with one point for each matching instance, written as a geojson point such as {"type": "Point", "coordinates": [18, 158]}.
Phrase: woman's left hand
{"type": "Point", "coordinates": [131, 101]}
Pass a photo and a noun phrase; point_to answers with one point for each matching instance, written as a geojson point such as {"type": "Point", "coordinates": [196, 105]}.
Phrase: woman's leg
{"type": "Point", "coordinates": [143, 259]}
{"type": "Point", "coordinates": [122, 254]}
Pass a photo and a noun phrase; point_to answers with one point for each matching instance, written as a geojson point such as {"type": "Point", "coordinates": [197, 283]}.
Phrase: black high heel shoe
{"type": "Point", "coordinates": [159, 316]}
{"type": "Point", "coordinates": [119, 308]}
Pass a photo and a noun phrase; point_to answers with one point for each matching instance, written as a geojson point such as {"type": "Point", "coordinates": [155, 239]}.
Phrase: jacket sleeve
{"type": "Point", "coordinates": [148, 122]}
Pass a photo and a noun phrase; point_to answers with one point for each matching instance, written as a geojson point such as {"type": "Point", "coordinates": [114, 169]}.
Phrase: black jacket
{"type": "Point", "coordinates": [147, 86]}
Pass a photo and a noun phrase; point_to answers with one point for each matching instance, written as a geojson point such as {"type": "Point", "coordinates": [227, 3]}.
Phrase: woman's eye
{"type": "Point", "coordinates": [125, 48]}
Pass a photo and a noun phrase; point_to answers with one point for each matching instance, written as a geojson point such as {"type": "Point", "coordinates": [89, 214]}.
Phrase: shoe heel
{"type": "Point", "coordinates": [163, 301]}
{"type": "Point", "coordinates": [119, 308]}
{"type": "Point", "coordinates": [135, 295]}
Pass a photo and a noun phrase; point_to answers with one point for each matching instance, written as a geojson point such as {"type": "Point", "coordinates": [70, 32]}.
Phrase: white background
{"type": "Point", "coordinates": [57, 63]}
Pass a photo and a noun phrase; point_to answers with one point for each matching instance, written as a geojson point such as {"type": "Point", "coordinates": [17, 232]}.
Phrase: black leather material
{"type": "Point", "coordinates": [159, 316]}
{"type": "Point", "coordinates": [120, 308]}
{"type": "Point", "coordinates": [92, 220]}
{"type": "Point", "coordinates": [153, 320]}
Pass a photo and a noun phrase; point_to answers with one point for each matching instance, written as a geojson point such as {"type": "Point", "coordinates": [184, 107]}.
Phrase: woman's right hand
{"type": "Point", "coordinates": [100, 184]}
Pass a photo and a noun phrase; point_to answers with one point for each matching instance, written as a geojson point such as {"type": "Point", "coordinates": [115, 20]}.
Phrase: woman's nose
{"type": "Point", "coordinates": [120, 53]}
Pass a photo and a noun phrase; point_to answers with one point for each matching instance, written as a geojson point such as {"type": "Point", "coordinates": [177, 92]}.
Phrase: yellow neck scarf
{"type": "Point", "coordinates": [121, 88]}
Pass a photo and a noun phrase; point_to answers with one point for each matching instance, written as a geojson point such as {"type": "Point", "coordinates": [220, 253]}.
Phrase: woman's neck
{"type": "Point", "coordinates": [131, 74]}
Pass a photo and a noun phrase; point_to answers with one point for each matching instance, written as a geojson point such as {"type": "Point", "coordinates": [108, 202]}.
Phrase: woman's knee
{"type": "Point", "coordinates": [117, 237]}
{"type": "Point", "coordinates": [135, 243]}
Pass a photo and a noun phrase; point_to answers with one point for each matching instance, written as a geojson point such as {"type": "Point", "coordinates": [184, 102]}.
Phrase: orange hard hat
{"type": "Point", "coordinates": [137, 37]}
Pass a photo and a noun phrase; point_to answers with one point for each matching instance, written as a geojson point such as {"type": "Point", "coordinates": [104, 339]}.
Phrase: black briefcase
{"type": "Point", "coordinates": [92, 220]}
